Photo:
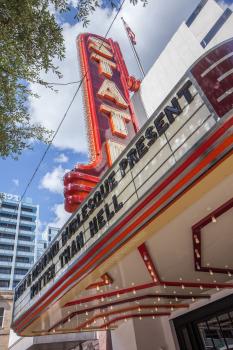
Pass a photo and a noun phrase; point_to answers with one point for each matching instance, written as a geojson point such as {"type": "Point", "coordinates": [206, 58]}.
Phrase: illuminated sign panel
{"type": "Point", "coordinates": [111, 122]}
{"type": "Point", "coordinates": [164, 141]}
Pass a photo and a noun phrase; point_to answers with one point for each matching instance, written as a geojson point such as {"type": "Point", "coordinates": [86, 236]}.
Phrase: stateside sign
{"type": "Point", "coordinates": [105, 203]}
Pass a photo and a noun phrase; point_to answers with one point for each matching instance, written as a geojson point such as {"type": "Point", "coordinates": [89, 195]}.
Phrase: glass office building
{"type": "Point", "coordinates": [18, 229]}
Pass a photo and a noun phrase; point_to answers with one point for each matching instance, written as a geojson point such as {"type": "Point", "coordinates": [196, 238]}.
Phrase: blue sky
{"type": "Point", "coordinates": [70, 146]}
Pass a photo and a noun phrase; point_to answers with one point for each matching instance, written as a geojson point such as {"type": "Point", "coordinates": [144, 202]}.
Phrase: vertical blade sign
{"type": "Point", "coordinates": [110, 119]}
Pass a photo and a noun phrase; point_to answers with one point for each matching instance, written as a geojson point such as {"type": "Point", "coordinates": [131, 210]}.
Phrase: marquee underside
{"type": "Point", "coordinates": [153, 274]}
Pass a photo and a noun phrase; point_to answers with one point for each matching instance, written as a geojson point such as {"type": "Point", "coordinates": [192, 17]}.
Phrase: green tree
{"type": "Point", "coordinates": [87, 7]}
{"type": "Point", "coordinates": [30, 39]}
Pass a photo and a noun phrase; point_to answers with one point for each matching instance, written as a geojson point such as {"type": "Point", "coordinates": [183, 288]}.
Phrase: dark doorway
{"type": "Point", "coordinates": [207, 328]}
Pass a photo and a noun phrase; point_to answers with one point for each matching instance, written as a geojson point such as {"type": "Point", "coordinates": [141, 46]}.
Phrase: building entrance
{"type": "Point", "coordinates": [208, 328]}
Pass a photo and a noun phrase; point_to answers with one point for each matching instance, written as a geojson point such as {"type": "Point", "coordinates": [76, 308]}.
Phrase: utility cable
{"type": "Point", "coordinates": [59, 125]}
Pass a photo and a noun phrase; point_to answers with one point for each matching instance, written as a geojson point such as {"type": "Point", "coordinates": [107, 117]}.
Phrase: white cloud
{"type": "Point", "coordinates": [153, 26]}
{"type": "Point", "coordinates": [61, 216]}
{"type": "Point", "coordinates": [226, 4]}
{"type": "Point", "coordinates": [61, 158]}
{"type": "Point", "coordinates": [16, 182]}
{"type": "Point", "coordinates": [53, 181]}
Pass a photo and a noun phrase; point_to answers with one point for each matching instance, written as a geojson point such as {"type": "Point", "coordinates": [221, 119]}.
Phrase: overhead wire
{"type": "Point", "coordinates": [58, 127]}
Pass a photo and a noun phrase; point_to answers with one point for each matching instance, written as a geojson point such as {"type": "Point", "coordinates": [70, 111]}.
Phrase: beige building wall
{"type": "Point", "coordinates": [6, 301]}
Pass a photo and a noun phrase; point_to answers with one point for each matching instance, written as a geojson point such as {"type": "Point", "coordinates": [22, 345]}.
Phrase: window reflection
{"type": "Point", "coordinates": [217, 332]}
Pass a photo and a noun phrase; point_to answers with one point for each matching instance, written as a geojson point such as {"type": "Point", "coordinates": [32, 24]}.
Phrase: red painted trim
{"type": "Point", "coordinates": [106, 280]}
{"type": "Point", "coordinates": [106, 325]}
{"type": "Point", "coordinates": [196, 233]}
{"type": "Point", "coordinates": [130, 300]}
{"type": "Point", "coordinates": [149, 263]}
{"type": "Point", "coordinates": [132, 308]}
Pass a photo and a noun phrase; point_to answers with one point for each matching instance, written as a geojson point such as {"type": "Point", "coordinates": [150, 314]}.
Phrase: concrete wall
{"type": "Point", "coordinates": [145, 334]}
{"type": "Point", "coordinates": [6, 301]}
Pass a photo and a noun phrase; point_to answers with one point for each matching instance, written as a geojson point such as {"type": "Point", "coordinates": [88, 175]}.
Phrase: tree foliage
{"type": "Point", "coordinates": [30, 39]}
{"type": "Point", "coordinates": [87, 7]}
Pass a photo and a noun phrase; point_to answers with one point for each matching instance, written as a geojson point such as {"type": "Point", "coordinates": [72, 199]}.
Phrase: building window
{"type": "Point", "coordinates": [4, 284]}
{"type": "Point", "coordinates": [7, 215]}
{"type": "Point", "coordinates": [6, 247]}
{"type": "Point", "coordinates": [195, 13]}
{"type": "Point", "coordinates": [7, 235]}
{"type": "Point", "coordinates": [207, 328]}
{"type": "Point", "coordinates": [5, 258]}
{"type": "Point", "coordinates": [22, 259]}
{"type": "Point", "coordinates": [213, 31]}
{"type": "Point", "coordinates": [1, 316]}
{"type": "Point", "coordinates": [9, 206]}
{"type": "Point", "coordinates": [7, 225]}
{"type": "Point", "coordinates": [29, 210]}
{"type": "Point", "coordinates": [25, 228]}
{"type": "Point", "coordinates": [26, 218]}
{"type": "Point", "coordinates": [21, 271]}
{"type": "Point", "coordinates": [22, 248]}
{"type": "Point", "coordinates": [5, 270]}
{"type": "Point", "coordinates": [25, 238]}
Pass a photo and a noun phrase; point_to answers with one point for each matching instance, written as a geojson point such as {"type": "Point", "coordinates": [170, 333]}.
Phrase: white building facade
{"type": "Point", "coordinates": [208, 25]}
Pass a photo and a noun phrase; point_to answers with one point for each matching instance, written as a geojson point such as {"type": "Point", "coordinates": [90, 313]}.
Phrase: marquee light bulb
{"type": "Point", "coordinates": [211, 272]}
{"type": "Point", "coordinates": [153, 317]}
{"type": "Point", "coordinates": [229, 273]}
{"type": "Point", "coordinates": [134, 291]}
{"type": "Point", "coordinates": [213, 219]}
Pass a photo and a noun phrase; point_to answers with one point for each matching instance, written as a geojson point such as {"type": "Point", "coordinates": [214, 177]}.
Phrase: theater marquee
{"type": "Point", "coordinates": [190, 112]}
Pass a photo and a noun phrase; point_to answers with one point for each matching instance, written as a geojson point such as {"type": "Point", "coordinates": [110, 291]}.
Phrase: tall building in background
{"type": "Point", "coordinates": [41, 245]}
{"type": "Point", "coordinates": [43, 242]}
{"type": "Point", "coordinates": [51, 233]}
{"type": "Point", "coordinates": [18, 229]}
